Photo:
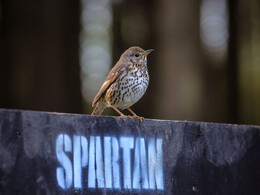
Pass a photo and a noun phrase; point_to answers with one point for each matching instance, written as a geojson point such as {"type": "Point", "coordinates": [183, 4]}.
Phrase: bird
{"type": "Point", "coordinates": [125, 84]}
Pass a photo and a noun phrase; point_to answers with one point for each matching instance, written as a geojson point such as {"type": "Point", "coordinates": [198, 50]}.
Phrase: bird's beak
{"type": "Point", "coordinates": [147, 52]}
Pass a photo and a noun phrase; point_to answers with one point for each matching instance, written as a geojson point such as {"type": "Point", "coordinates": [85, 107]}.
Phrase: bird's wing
{"type": "Point", "coordinates": [114, 73]}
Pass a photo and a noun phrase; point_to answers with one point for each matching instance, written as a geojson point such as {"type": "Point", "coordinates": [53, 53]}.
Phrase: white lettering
{"type": "Point", "coordinates": [143, 157]}
{"type": "Point", "coordinates": [140, 175]}
{"type": "Point", "coordinates": [77, 161]}
{"type": "Point", "coordinates": [155, 163]}
{"type": "Point", "coordinates": [115, 163]}
{"type": "Point", "coordinates": [137, 171]}
{"type": "Point", "coordinates": [107, 160]}
{"type": "Point", "coordinates": [104, 161]}
{"type": "Point", "coordinates": [80, 158]}
{"type": "Point", "coordinates": [127, 143]}
{"type": "Point", "coordinates": [99, 163]}
{"type": "Point", "coordinates": [91, 164]}
{"type": "Point", "coordinates": [84, 147]}
{"type": "Point", "coordinates": [64, 173]}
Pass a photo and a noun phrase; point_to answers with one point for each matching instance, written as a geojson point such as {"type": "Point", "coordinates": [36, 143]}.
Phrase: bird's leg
{"type": "Point", "coordinates": [121, 114]}
{"type": "Point", "coordinates": [135, 116]}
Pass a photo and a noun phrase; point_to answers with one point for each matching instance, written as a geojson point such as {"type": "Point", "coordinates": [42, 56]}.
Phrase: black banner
{"type": "Point", "coordinates": [53, 153]}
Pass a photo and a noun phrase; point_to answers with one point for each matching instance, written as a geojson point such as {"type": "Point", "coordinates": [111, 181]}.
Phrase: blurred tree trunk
{"type": "Point", "coordinates": [39, 52]}
{"type": "Point", "coordinates": [178, 93]}
{"type": "Point", "coordinates": [233, 97]}
{"type": "Point", "coordinates": [249, 61]}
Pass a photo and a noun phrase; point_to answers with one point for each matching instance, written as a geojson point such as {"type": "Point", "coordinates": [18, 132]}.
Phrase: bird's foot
{"type": "Point", "coordinates": [139, 117]}
{"type": "Point", "coordinates": [135, 116]}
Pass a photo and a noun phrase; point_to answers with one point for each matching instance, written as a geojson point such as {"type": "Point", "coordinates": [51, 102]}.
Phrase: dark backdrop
{"type": "Point", "coordinates": [40, 58]}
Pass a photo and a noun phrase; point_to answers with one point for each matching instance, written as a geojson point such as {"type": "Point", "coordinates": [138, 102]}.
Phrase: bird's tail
{"type": "Point", "coordinates": [100, 107]}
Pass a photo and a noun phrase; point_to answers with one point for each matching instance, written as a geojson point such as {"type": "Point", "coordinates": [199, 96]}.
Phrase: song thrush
{"type": "Point", "coordinates": [125, 84]}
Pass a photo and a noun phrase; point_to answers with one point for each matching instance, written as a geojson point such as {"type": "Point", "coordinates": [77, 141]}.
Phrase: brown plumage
{"type": "Point", "coordinates": [125, 84]}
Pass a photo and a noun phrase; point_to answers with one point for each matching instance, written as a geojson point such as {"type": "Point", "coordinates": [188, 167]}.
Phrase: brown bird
{"type": "Point", "coordinates": [125, 84]}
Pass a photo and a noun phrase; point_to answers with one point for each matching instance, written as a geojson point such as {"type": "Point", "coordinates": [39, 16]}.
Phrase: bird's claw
{"type": "Point", "coordinates": [139, 117]}
{"type": "Point", "coordinates": [134, 116]}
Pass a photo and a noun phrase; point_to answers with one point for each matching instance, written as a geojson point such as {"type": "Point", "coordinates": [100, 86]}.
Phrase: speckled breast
{"type": "Point", "coordinates": [129, 87]}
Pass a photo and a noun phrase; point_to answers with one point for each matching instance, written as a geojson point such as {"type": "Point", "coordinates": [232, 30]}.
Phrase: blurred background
{"type": "Point", "coordinates": [55, 55]}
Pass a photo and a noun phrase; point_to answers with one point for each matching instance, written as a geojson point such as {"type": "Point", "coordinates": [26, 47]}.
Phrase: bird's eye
{"type": "Point", "coordinates": [137, 55]}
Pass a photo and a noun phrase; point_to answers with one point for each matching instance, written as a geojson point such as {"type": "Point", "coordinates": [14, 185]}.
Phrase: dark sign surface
{"type": "Point", "coordinates": [52, 153]}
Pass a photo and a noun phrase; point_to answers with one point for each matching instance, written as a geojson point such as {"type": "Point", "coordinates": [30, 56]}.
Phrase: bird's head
{"type": "Point", "coordinates": [136, 55]}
